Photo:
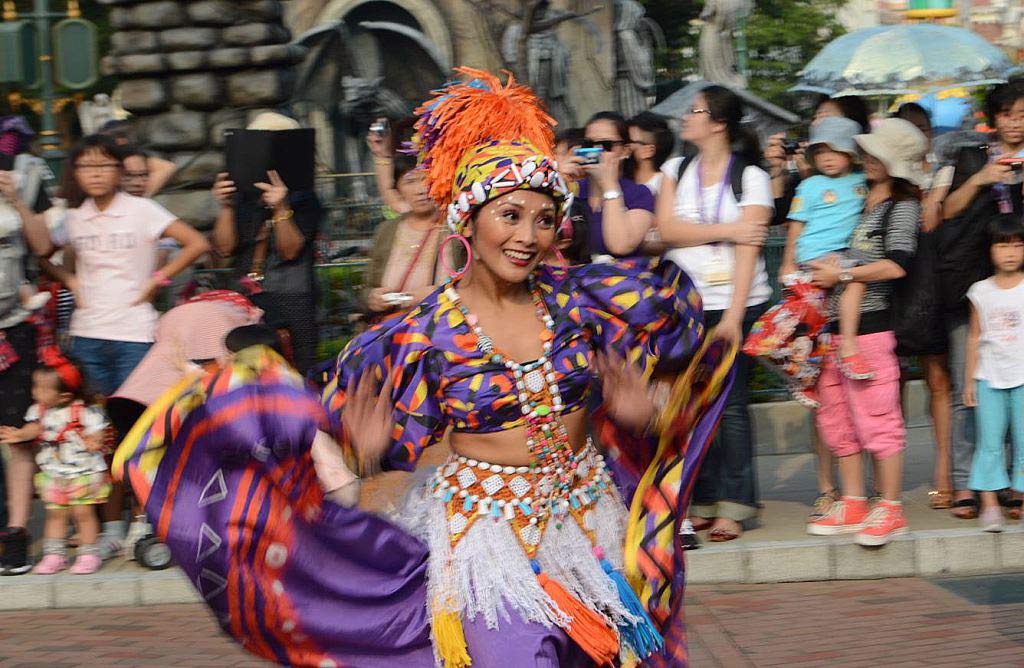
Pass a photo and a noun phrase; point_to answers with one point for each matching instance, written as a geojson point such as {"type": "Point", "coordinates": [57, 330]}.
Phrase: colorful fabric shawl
{"type": "Point", "coordinates": [222, 465]}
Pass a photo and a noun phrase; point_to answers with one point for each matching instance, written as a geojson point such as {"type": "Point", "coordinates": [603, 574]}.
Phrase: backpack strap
{"type": "Point", "coordinates": [735, 174]}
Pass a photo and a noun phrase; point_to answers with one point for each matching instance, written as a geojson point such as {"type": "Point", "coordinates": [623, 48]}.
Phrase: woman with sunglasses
{"type": "Point", "coordinates": [620, 211]}
{"type": "Point", "coordinates": [716, 237]}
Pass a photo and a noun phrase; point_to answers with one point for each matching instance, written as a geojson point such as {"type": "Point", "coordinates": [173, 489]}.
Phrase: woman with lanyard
{"type": "Point", "coordinates": [716, 238]}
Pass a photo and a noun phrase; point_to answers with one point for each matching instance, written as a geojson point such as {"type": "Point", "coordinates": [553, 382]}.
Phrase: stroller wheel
{"type": "Point", "coordinates": [152, 554]}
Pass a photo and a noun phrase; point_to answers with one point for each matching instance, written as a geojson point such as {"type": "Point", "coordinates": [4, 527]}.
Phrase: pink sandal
{"type": "Point", "coordinates": [50, 564]}
{"type": "Point", "coordinates": [86, 564]}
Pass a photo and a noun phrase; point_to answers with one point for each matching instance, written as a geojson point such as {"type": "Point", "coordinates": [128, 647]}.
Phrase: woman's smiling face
{"type": "Point", "coordinates": [512, 234]}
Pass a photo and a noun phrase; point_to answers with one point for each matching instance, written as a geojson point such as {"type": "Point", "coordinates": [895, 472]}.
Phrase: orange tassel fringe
{"type": "Point", "coordinates": [587, 629]}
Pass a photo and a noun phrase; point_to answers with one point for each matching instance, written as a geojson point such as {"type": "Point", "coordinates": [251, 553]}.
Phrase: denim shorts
{"type": "Point", "coordinates": [107, 364]}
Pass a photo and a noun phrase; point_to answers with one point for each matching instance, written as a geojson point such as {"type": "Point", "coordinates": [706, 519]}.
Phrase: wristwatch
{"type": "Point", "coordinates": [845, 277]}
{"type": "Point", "coordinates": [609, 195]}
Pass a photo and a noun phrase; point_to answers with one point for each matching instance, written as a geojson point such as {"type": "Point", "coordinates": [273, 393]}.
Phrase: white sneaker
{"type": "Point", "coordinates": [138, 530]}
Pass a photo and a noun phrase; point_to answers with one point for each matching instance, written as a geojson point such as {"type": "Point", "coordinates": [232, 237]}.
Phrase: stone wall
{"type": "Point", "coordinates": [189, 69]}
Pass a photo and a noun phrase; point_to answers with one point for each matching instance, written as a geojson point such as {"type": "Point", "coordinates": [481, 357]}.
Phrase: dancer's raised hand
{"type": "Point", "coordinates": [368, 420]}
{"type": "Point", "coordinates": [626, 393]}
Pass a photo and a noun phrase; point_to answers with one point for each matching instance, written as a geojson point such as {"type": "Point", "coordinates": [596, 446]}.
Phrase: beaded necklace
{"type": "Point", "coordinates": [541, 405]}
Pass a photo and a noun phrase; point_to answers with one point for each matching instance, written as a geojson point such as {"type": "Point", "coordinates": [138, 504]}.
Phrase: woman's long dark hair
{"type": "Point", "coordinates": [727, 107]}
{"type": "Point", "coordinates": [904, 190]}
{"type": "Point", "coordinates": [105, 144]}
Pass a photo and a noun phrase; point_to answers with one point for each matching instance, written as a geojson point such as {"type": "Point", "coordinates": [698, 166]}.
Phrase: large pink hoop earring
{"type": "Point", "coordinates": [452, 273]}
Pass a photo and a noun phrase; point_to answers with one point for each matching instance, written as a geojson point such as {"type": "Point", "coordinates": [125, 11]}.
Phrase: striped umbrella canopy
{"type": "Point", "coordinates": [899, 59]}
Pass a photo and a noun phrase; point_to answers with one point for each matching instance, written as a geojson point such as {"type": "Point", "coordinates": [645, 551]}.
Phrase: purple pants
{"type": "Point", "coordinates": [519, 643]}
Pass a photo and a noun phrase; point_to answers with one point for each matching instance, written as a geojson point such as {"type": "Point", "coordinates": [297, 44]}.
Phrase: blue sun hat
{"type": "Point", "coordinates": [835, 132]}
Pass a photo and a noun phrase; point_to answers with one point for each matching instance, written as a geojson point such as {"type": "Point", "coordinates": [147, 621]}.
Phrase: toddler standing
{"type": "Point", "coordinates": [72, 476]}
{"type": "Point", "coordinates": [995, 361]}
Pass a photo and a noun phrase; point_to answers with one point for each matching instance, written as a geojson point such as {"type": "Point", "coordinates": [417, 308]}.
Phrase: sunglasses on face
{"type": "Point", "coordinates": [605, 144]}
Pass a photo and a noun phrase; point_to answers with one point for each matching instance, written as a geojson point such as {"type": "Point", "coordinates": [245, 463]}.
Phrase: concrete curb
{"type": "Point", "coordinates": [101, 590]}
{"type": "Point", "coordinates": [920, 553]}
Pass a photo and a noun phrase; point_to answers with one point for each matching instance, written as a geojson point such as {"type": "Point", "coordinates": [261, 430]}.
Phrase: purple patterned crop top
{"type": "Point", "coordinates": [646, 310]}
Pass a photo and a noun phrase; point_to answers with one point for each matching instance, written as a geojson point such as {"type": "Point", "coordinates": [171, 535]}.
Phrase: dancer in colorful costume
{"type": "Point", "coordinates": [518, 550]}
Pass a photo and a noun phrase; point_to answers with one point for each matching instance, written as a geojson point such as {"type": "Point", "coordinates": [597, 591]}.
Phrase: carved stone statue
{"type": "Point", "coordinates": [547, 66]}
{"type": "Point", "coordinates": [93, 114]}
{"type": "Point", "coordinates": [636, 39]}
{"type": "Point", "coordinates": [717, 54]}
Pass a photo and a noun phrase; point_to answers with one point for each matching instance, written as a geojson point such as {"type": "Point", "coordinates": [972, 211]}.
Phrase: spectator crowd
{"type": "Point", "coordinates": [902, 242]}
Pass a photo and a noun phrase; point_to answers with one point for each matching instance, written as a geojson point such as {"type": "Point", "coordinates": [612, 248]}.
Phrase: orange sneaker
{"type": "Point", "coordinates": [885, 522]}
{"type": "Point", "coordinates": [846, 515]}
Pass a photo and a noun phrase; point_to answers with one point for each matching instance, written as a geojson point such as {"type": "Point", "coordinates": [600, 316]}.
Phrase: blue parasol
{"type": "Point", "coordinates": [899, 59]}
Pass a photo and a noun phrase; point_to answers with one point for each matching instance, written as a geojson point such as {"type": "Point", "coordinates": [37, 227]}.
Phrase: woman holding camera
{"type": "Point", "coordinates": [714, 216]}
{"type": "Point", "coordinates": [620, 211]}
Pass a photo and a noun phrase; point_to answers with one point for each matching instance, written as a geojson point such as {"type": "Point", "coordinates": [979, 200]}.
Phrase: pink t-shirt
{"type": "Point", "coordinates": [115, 254]}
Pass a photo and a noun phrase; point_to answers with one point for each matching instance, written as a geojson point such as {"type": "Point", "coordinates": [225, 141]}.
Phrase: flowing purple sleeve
{"type": "Point", "coordinates": [643, 309]}
{"type": "Point", "coordinates": [399, 348]}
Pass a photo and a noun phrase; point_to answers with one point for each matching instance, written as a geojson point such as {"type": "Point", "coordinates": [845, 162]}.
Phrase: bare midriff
{"type": "Point", "coordinates": [508, 448]}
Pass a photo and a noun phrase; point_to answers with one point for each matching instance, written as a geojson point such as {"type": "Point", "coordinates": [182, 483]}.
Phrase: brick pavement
{"type": "Point", "coordinates": [964, 622]}
{"type": "Point", "coordinates": [893, 623]}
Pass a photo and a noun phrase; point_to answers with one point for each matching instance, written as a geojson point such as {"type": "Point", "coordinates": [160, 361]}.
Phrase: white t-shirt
{"type": "Point", "coordinates": [1001, 347]}
{"type": "Point", "coordinates": [115, 256]}
{"type": "Point", "coordinates": [706, 264]}
{"type": "Point", "coordinates": [654, 183]}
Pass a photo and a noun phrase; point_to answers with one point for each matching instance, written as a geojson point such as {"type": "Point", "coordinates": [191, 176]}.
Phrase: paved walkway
{"type": "Point", "coordinates": [898, 623]}
{"type": "Point", "coordinates": [975, 622]}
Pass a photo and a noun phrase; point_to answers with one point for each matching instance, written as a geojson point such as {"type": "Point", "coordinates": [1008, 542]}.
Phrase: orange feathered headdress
{"type": "Point", "coordinates": [480, 139]}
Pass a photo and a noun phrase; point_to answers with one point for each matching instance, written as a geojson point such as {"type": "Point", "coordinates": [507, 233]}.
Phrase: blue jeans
{"type": "Point", "coordinates": [996, 410]}
{"type": "Point", "coordinates": [107, 364]}
{"type": "Point", "coordinates": [727, 483]}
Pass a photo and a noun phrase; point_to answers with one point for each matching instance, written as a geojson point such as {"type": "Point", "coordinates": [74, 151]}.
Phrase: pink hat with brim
{"type": "Point", "coordinates": [192, 331]}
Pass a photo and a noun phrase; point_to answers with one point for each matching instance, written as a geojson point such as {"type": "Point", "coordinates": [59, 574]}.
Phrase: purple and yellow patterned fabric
{"type": "Point", "coordinates": [645, 310]}
{"type": "Point", "coordinates": [223, 468]}
{"type": "Point", "coordinates": [222, 465]}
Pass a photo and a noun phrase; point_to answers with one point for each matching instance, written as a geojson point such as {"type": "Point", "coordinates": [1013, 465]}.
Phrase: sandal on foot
{"type": "Point", "coordinates": [855, 367]}
{"type": "Point", "coordinates": [970, 504]}
{"type": "Point", "coordinates": [940, 499]}
{"type": "Point", "coordinates": [721, 535]}
{"type": "Point", "coordinates": [822, 504]}
{"type": "Point", "coordinates": [1013, 508]}
{"type": "Point", "coordinates": [700, 523]}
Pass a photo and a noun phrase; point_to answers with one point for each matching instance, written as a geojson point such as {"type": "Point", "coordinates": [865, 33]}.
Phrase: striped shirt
{"type": "Point", "coordinates": [874, 240]}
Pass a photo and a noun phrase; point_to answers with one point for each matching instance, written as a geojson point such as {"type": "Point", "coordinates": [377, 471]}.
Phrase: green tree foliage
{"type": "Point", "coordinates": [781, 37]}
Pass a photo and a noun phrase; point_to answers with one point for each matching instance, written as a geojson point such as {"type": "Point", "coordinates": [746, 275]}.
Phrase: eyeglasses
{"type": "Point", "coordinates": [605, 144]}
{"type": "Point", "coordinates": [99, 167]}
{"type": "Point", "coordinates": [693, 111]}
{"type": "Point", "coordinates": [135, 176]}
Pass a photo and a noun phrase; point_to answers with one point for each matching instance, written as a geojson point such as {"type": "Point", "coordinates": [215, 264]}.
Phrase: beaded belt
{"type": "Point", "coordinates": [525, 497]}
